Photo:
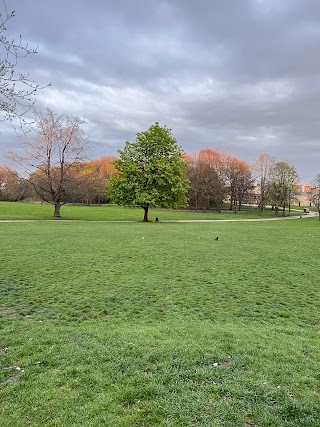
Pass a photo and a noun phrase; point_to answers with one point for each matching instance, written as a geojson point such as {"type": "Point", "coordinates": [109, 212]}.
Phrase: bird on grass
{"type": "Point", "coordinates": [217, 238]}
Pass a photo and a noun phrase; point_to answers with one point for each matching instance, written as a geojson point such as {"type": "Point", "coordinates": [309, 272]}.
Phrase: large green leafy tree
{"type": "Point", "coordinates": [151, 172]}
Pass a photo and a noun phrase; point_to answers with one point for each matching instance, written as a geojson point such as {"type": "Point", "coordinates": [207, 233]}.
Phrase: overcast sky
{"type": "Point", "coordinates": [238, 75]}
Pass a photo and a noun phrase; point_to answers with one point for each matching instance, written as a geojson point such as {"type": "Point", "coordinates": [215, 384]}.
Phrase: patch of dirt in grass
{"type": "Point", "coordinates": [224, 363]}
{"type": "Point", "coordinates": [13, 373]}
{"type": "Point", "coordinates": [12, 378]}
{"type": "Point", "coordinates": [8, 312]}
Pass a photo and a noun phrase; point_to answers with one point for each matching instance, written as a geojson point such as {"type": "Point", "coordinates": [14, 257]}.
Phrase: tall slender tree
{"type": "Point", "coordinates": [239, 178]}
{"type": "Point", "coordinates": [283, 187]}
{"type": "Point", "coordinates": [262, 170]}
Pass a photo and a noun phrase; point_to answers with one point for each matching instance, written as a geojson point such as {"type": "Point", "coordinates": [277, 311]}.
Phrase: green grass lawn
{"type": "Point", "coordinates": [133, 324]}
{"type": "Point", "coordinates": [31, 211]}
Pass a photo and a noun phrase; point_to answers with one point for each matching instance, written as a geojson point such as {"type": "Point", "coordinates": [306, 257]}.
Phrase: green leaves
{"type": "Point", "coordinates": [151, 170]}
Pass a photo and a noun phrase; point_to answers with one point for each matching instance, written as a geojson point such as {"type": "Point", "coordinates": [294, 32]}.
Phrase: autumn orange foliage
{"type": "Point", "coordinates": [104, 166]}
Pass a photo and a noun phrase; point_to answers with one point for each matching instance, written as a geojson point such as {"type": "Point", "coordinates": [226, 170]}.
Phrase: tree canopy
{"type": "Point", "coordinates": [207, 179]}
{"type": "Point", "coordinates": [150, 172]}
{"type": "Point", "coordinates": [283, 186]}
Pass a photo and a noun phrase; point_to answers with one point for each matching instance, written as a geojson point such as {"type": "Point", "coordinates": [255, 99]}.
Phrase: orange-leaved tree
{"type": "Point", "coordinates": [207, 180]}
{"type": "Point", "coordinates": [239, 176]}
{"type": "Point", "coordinates": [95, 187]}
{"type": "Point", "coordinates": [12, 186]}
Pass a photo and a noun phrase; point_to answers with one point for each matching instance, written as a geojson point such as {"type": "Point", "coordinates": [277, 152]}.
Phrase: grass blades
{"type": "Point", "coordinates": [158, 324]}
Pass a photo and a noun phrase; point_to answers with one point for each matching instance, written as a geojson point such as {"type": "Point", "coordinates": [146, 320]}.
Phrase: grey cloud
{"type": "Point", "coordinates": [237, 75]}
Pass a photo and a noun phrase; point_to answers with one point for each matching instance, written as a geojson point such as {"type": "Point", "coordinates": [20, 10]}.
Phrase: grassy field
{"type": "Point", "coordinates": [20, 211]}
{"type": "Point", "coordinates": [133, 324]}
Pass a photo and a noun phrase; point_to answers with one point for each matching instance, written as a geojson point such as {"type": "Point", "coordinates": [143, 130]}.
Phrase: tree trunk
{"type": "Point", "coordinates": [57, 207]}
{"type": "Point", "coordinates": [146, 209]}
{"type": "Point", "coordinates": [260, 206]}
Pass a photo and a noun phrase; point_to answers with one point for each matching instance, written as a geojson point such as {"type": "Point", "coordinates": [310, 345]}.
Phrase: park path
{"type": "Point", "coordinates": [280, 218]}
{"type": "Point", "coordinates": [277, 218]}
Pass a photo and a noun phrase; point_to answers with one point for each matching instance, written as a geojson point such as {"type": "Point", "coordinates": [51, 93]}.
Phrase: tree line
{"type": "Point", "coordinates": [152, 171]}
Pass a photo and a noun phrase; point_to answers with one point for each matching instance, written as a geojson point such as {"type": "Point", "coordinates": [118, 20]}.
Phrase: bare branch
{"type": "Point", "coordinates": [17, 90]}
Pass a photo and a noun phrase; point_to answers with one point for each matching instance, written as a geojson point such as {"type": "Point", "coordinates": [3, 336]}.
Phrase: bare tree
{"type": "Point", "coordinates": [52, 161]}
{"type": "Point", "coordinates": [17, 90]}
{"type": "Point", "coordinates": [263, 169]}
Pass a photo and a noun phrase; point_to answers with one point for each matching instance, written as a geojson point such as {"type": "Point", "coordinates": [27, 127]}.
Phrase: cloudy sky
{"type": "Point", "coordinates": [238, 75]}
